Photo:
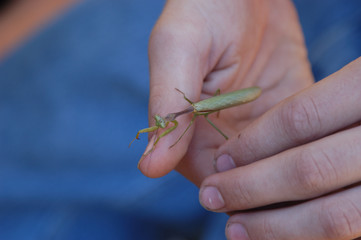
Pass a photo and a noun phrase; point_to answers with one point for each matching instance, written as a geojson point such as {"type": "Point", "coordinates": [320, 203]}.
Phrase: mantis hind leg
{"type": "Point", "coordinates": [215, 127]}
{"type": "Point", "coordinates": [190, 124]}
{"type": "Point", "coordinates": [166, 132]}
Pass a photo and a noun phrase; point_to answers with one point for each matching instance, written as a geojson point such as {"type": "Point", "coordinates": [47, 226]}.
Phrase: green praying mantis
{"type": "Point", "coordinates": [201, 108]}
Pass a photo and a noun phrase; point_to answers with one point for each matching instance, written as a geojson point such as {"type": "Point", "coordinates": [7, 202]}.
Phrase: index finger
{"type": "Point", "coordinates": [320, 110]}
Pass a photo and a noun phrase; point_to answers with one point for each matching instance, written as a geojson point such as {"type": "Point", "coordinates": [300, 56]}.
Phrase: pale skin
{"type": "Point", "coordinates": [306, 145]}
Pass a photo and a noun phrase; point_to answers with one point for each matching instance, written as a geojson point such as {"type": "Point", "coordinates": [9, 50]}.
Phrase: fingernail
{"type": "Point", "coordinates": [235, 231]}
{"type": "Point", "coordinates": [224, 163]}
{"type": "Point", "coordinates": [211, 198]}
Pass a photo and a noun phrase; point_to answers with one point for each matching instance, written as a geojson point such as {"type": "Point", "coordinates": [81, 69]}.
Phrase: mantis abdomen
{"type": "Point", "coordinates": [227, 100]}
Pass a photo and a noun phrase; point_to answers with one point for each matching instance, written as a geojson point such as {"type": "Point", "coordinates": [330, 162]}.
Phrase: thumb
{"type": "Point", "coordinates": [177, 56]}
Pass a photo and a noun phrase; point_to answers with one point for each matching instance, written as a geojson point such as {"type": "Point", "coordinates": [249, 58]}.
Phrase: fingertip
{"type": "Point", "coordinates": [235, 230]}
{"type": "Point", "coordinates": [160, 160]}
{"type": "Point", "coordinates": [224, 163]}
{"type": "Point", "coordinates": [211, 198]}
{"type": "Point", "coordinates": [149, 170]}
{"type": "Point", "coordinates": [153, 169]}
{"type": "Point", "coordinates": [151, 165]}
{"type": "Point", "coordinates": [225, 159]}
{"type": "Point", "coordinates": [242, 149]}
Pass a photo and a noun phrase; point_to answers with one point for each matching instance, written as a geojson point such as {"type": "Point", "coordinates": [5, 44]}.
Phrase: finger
{"type": "Point", "coordinates": [192, 167]}
{"type": "Point", "coordinates": [336, 216]}
{"type": "Point", "coordinates": [323, 108]}
{"type": "Point", "coordinates": [301, 173]}
{"type": "Point", "coordinates": [177, 56]}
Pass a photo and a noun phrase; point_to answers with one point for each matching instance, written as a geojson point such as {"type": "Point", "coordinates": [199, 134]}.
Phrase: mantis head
{"type": "Point", "coordinates": [160, 122]}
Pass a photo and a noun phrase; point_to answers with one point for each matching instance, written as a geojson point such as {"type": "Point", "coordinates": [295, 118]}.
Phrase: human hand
{"type": "Point", "coordinates": [203, 45]}
{"type": "Point", "coordinates": [306, 150]}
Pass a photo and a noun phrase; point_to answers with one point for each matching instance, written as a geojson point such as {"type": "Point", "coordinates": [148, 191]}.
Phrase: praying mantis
{"type": "Point", "coordinates": [201, 108]}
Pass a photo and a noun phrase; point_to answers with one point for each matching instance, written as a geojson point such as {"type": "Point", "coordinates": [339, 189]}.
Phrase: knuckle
{"type": "Point", "coordinates": [247, 147]}
{"type": "Point", "coordinates": [311, 175]}
{"type": "Point", "coordinates": [300, 120]}
{"type": "Point", "coordinates": [173, 36]}
{"type": "Point", "coordinates": [267, 228]}
{"type": "Point", "coordinates": [162, 33]}
{"type": "Point", "coordinates": [161, 38]}
{"type": "Point", "coordinates": [340, 219]}
{"type": "Point", "coordinates": [244, 198]}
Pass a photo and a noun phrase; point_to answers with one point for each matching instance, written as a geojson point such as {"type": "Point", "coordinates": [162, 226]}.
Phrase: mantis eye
{"type": "Point", "coordinates": [159, 121]}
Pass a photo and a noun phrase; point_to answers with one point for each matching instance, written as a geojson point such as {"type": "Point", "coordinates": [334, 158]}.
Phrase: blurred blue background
{"type": "Point", "coordinates": [74, 95]}
{"type": "Point", "coordinates": [332, 30]}
{"type": "Point", "coordinates": [71, 99]}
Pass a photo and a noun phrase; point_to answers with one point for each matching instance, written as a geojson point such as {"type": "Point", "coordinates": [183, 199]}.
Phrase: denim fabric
{"type": "Point", "coordinates": [332, 31]}
{"type": "Point", "coordinates": [74, 95]}
{"type": "Point", "coordinates": [71, 99]}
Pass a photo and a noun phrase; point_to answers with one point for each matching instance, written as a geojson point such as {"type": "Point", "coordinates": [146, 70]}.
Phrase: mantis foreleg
{"type": "Point", "coordinates": [163, 134]}
{"type": "Point", "coordinates": [145, 130]}
{"type": "Point", "coordinates": [166, 132]}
